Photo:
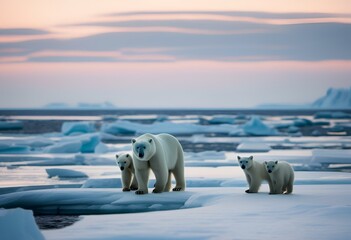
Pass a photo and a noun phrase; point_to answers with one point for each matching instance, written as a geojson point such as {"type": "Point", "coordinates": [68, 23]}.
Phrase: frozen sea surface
{"type": "Point", "coordinates": [61, 166]}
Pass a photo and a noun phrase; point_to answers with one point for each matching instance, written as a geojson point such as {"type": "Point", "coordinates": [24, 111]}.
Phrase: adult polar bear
{"type": "Point", "coordinates": [163, 154]}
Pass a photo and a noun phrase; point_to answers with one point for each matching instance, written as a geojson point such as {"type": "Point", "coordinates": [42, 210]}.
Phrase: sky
{"type": "Point", "coordinates": [174, 53]}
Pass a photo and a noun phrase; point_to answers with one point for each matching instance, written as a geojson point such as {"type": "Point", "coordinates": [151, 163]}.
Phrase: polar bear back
{"type": "Point", "coordinates": [284, 173]}
{"type": "Point", "coordinates": [171, 149]}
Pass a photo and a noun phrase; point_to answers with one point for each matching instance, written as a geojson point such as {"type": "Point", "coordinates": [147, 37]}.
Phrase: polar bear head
{"type": "Point", "coordinates": [245, 162]}
{"type": "Point", "coordinates": [144, 147]}
{"type": "Point", "coordinates": [124, 161]}
{"type": "Point", "coordinates": [271, 166]}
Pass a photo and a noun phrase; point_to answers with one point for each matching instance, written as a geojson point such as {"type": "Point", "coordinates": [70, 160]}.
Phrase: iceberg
{"type": "Point", "coordinates": [64, 147]}
{"type": "Point", "coordinates": [334, 99]}
{"type": "Point", "coordinates": [84, 143]}
{"type": "Point", "coordinates": [77, 127]}
{"type": "Point", "coordinates": [256, 127]}
{"type": "Point", "coordinates": [18, 224]}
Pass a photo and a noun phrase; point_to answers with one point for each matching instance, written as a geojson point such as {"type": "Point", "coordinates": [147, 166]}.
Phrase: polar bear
{"type": "Point", "coordinates": [125, 163]}
{"type": "Point", "coordinates": [255, 173]}
{"type": "Point", "coordinates": [163, 154]}
{"type": "Point", "coordinates": [282, 176]}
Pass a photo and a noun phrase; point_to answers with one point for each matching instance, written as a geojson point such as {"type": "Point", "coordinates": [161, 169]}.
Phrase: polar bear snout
{"type": "Point", "coordinates": [243, 166]}
{"type": "Point", "coordinates": [122, 168]}
{"type": "Point", "coordinates": [269, 171]}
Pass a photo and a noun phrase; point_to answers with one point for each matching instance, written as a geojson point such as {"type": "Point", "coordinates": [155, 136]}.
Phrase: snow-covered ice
{"type": "Point", "coordinates": [312, 212]}
{"type": "Point", "coordinates": [17, 224]}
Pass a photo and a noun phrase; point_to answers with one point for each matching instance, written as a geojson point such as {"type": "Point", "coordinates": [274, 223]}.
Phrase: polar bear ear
{"type": "Point", "coordinates": [127, 155]}
{"type": "Point", "coordinates": [239, 157]}
{"type": "Point", "coordinates": [133, 140]}
{"type": "Point", "coordinates": [265, 162]}
{"type": "Point", "coordinates": [276, 162]}
{"type": "Point", "coordinates": [251, 157]}
{"type": "Point", "coordinates": [150, 140]}
{"type": "Point", "coordinates": [117, 156]}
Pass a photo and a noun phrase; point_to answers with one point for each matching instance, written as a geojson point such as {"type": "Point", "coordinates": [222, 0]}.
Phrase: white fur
{"type": "Point", "coordinates": [125, 163]}
{"type": "Point", "coordinates": [282, 176]}
{"type": "Point", "coordinates": [255, 173]}
{"type": "Point", "coordinates": [163, 154]}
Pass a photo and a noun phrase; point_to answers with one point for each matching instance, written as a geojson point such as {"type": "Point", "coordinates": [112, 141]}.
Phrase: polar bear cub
{"type": "Point", "coordinates": [163, 154]}
{"type": "Point", "coordinates": [255, 173]}
{"type": "Point", "coordinates": [282, 176]}
{"type": "Point", "coordinates": [125, 163]}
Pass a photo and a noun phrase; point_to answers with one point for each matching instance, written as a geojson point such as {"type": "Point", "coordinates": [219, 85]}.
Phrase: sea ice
{"type": "Point", "coordinates": [9, 147]}
{"type": "Point", "coordinates": [332, 115]}
{"type": "Point", "coordinates": [126, 127]}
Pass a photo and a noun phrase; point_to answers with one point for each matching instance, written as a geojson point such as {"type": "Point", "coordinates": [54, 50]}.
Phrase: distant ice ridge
{"type": "Point", "coordinates": [61, 105]}
{"type": "Point", "coordinates": [254, 127]}
{"type": "Point", "coordinates": [335, 98]}
{"type": "Point", "coordinates": [18, 223]}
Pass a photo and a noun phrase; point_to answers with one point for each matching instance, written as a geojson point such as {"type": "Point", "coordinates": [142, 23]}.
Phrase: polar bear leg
{"type": "Point", "coordinates": [134, 185]}
{"type": "Point", "coordinates": [142, 176]}
{"type": "Point", "coordinates": [279, 188]}
{"type": "Point", "coordinates": [161, 181]}
{"type": "Point", "coordinates": [271, 187]}
{"type": "Point", "coordinates": [126, 180]}
{"type": "Point", "coordinates": [169, 182]}
{"type": "Point", "coordinates": [178, 173]}
{"type": "Point", "coordinates": [248, 179]}
{"type": "Point", "coordinates": [289, 188]}
{"type": "Point", "coordinates": [254, 186]}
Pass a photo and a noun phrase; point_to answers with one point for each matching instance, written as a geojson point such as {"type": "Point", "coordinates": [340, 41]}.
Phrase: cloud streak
{"type": "Point", "coordinates": [21, 32]}
{"type": "Point", "coordinates": [193, 39]}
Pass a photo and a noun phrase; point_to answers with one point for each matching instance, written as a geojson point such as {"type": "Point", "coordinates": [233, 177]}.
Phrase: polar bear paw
{"type": "Point", "coordinates": [156, 191]}
{"type": "Point", "coordinates": [177, 189]}
{"type": "Point", "coordinates": [125, 189]}
{"type": "Point", "coordinates": [139, 192]}
{"type": "Point", "coordinates": [133, 188]}
{"type": "Point", "coordinates": [248, 191]}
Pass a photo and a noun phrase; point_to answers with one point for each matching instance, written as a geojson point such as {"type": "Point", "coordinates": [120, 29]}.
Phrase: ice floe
{"type": "Point", "coordinates": [253, 147]}
{"type": "Point", "coordinates": [18, 224]}
{"type": "Point", "coordinates": [9, 125]}
{"type": "Point", "coordinates": [65, 173]}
